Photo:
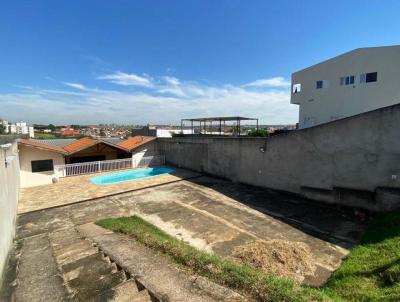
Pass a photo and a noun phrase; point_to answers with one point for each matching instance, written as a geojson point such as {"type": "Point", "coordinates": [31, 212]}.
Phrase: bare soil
{"type": "Point", "coordinates": [280, 257]}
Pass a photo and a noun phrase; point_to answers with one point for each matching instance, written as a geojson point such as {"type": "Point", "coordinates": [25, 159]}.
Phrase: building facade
{"type": "Point", "coordinates": [18, 128]}
{"type": "Point", "coordinates": [355, 82]}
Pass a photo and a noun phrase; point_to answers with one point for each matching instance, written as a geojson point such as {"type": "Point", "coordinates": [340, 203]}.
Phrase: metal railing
{"type": "Point", "coordinates": [107, 165]}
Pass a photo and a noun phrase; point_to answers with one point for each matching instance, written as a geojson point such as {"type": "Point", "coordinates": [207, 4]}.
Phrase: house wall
{"type": "Point", "coordinates": [335, 101]}
{"type": "Point", "coordinates": [148, 149]}
{"type": "Point", "coordinates": [26, 155]}
{"type": "Point", "coordinates": [353, 161]}
{"type": "Point", "coordinates": [9, 191]}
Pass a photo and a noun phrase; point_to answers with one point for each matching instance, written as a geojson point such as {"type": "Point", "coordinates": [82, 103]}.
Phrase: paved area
{"type": "Point", "coordinates": [78, 188]}
{"type": "Point", "coordinates": [214, 215]}
{"type": "Point", "coordinates": [149, 268]}
{"type": "Point", "coordinates": [40, 280]}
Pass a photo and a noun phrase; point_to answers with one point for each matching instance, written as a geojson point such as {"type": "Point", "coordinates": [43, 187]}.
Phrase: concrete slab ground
{"type": "Point", "coordinates": [78, 188]}
{"type": "Point", "coordinates": [215, 215]}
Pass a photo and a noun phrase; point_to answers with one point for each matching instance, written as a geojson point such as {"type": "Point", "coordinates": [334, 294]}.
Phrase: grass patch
{"type": "Point", "coordinates": [44, 136]}
{"type": "Point", "coordinates": [371, 272]}
{"type": "Point", "coordinates": [263, 286]}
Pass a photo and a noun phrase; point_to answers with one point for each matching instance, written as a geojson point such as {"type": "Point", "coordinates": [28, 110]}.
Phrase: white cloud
{"type": "Point", "coordinates": [166, 102]}
{"type": "Point", "coordinates": [172, 80]}
{"type": "Point", "coordinates": [127, 79]}
{"type": "Point", "coordinates": [271, 82]}
{"type": "Point", "coordinates": [76, 86]}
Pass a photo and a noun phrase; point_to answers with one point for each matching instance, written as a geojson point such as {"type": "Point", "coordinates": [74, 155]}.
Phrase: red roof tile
{"type": "Point", "coordinates": [86, 142]}
{"type": "Point", "coordinates": [134, 142]}
{"type": "Point", "coordinates": [80, 144]}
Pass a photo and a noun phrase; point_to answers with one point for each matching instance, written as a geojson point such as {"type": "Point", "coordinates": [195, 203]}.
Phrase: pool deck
{"type": "Point", "coordinates": [75, 189]}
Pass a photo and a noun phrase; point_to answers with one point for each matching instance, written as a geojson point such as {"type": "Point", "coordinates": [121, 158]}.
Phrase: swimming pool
{"type": "Point", "coordinates": [136, 174]}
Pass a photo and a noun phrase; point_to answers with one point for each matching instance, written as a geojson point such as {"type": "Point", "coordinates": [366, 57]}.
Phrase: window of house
{"type": "Point", "coordinates": [319, 84]}
{"type": "Point", "coordinates": [296, 88]}
{"type": "Point", "coordinates": [347, 80]}
{"type": "Point", "coordinates": [42, 165]}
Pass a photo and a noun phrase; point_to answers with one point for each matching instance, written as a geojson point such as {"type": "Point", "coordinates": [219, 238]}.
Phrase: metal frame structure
{"type": "Point", "coordinates": [222, 121]}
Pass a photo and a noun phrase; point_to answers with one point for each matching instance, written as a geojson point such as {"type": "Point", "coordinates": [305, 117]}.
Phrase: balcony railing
{"type": "Point", "coordinates": [107, 165]}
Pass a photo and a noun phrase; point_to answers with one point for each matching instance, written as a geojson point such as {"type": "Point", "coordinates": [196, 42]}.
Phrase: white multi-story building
{"type": "Point", "coordinates": [165, 132]}
{"type": "Point", "coordinates": [358, 81]}
{"type": "Point", "coordinates": [19, 128]}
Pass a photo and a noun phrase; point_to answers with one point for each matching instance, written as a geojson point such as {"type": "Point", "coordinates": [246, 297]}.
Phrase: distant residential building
{"type": "Point", "coordinates": [358, 81]}
{"type": "Point", "coordinates": [159, 131]}
{"type": "Point", "coordinates": [19, 128]}
{"type": "Point", "coordinates": [146, 130]}
{"type": "Point", "coordinates": [69, 132]}
{"type": "Point", "coordinates": [165, 132]}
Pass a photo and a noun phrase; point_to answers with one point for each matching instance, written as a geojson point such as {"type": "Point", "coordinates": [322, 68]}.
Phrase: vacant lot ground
{"type": "Point", "coordinates": [78, 188]}
{"type": "Point", "coordinates": [213, 215]}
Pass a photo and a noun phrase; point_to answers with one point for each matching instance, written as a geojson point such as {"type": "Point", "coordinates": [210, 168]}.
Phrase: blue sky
{"type": "Point", "coordinates": [158, 61]}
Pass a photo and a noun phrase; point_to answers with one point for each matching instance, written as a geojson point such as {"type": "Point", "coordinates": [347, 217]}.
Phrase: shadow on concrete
{"type": "Point", "coordinates": [326, 222]}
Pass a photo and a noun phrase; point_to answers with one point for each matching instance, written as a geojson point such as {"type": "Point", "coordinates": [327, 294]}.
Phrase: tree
{"type": "Point", "coordinates": [52, 127]}
{"type": "Point", "coordinates": [258, 133]}
{"type": "Point", "coordinates": [2, 127]}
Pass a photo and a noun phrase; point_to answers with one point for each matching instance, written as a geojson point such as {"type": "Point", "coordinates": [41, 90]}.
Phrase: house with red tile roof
{"type": "Point", "coordinates": [38, 157]}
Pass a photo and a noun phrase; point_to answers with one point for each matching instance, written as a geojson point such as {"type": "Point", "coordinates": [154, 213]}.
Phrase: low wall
{"type": "Point", "coordinates": [353, 161]}
{"type": "Point", "coordinates": [9, 190]}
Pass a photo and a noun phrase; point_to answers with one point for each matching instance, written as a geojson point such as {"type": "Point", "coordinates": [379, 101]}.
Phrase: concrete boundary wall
{"type": "Point", "coordinates": [354, 161]}
{"type": "Point", "coordinates": [9, 192]}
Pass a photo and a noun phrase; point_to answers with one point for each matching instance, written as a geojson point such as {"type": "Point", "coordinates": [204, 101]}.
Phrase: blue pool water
{"type": "Point", "coordinates": [130, 175]}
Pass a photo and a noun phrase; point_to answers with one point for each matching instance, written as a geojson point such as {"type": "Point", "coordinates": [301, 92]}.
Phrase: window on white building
{"type": "Point", "coordinates": [296, 88]}
{"type": "Point", "coordinates": [319, 84]}
{"type": "Point", "coordinates": [347, 80]}
{"type": "Point", "coordinates": [369, 77]}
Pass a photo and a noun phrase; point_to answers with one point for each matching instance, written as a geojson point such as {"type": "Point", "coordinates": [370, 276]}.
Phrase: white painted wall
{"type": "Point", "coordinates": [9, 191]}
{"type": "Point", "coordinates": [168, 132]}
{"type": "Point", "coordinates": [143, 151]}
{"type": "Point", "coordinates": [26, 155]}
{"type": "Point", "coordinates": [319, 106]}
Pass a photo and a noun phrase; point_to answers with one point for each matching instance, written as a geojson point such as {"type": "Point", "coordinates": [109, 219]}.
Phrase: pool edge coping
{"type": "Point", "coordinates": [108, 195]}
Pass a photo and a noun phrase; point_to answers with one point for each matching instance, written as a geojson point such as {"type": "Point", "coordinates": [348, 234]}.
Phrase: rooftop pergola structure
{"type": "Point", "coordinates": [220, 119]}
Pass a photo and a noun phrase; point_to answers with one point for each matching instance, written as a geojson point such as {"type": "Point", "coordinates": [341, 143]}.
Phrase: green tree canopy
{"type": "Point", "coordinates": [258, 133]}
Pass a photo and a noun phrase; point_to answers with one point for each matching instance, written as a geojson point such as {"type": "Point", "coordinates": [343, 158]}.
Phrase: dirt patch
{"type": "Point", "coordinates": [280, 257]}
